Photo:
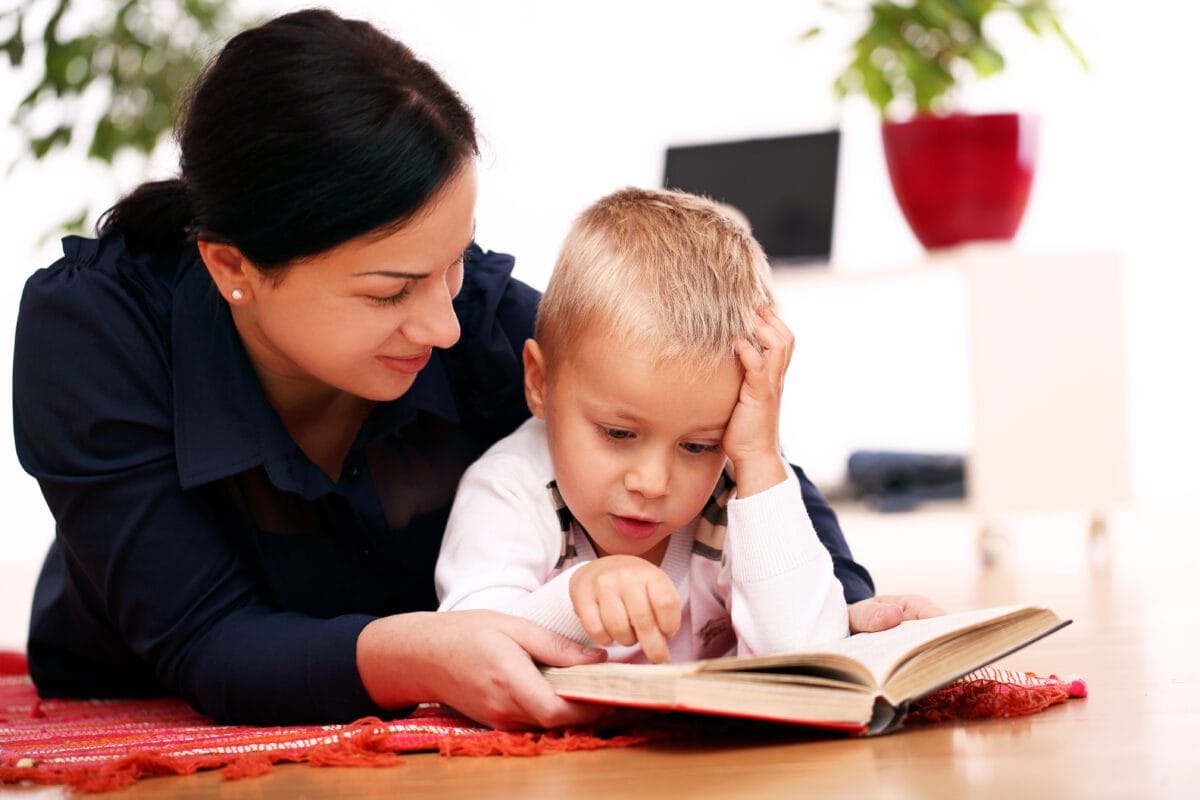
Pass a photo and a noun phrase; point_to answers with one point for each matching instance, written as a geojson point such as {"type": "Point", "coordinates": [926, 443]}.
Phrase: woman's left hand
{"type": "Point", "coordinates": [889, 610]}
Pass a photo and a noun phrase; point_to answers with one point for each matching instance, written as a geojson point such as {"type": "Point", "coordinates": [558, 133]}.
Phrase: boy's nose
{"type": "Point", "coordinates": [650, 477]}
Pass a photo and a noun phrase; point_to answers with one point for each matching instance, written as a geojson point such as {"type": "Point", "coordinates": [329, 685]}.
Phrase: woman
{"type": "Point", "coordinates": [249, 401]}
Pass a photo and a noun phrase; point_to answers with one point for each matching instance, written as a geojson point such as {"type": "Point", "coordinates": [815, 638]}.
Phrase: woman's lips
{"type": "Point", "coordinates": [633, 527]}
{"type": "Point", "coordinates": [409, 365]}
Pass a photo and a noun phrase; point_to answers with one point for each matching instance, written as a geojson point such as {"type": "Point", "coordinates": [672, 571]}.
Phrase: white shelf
{"type": "Point", "coordinates": [1012, 358]}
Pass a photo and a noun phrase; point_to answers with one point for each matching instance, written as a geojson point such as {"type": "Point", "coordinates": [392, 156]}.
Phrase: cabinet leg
{"type": "Point", "coordinates": [991, 541]}
{"type": "Point", "coordinates": [1097, 539]}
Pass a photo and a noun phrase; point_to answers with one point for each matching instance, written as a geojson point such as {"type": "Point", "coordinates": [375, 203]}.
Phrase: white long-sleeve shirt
{"type": "Point", "coordinates": [768, 587]}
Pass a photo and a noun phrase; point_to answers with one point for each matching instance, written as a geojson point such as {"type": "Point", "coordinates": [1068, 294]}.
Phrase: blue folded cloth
{"type": "Point", "coordinates": [897, 481]}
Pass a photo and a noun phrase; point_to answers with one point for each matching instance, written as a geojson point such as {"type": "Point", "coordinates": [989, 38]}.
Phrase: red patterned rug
{"type": "Point", "coordinates": [98, 745]}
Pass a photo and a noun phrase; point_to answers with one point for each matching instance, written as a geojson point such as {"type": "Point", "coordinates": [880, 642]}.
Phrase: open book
{"type": "Point", "coordinates": [861, 684]}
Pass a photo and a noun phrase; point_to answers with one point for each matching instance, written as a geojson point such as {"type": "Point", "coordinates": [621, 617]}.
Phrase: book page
{"type": "Point", "coordinates": [873, 656]}
{"type": "Point", "coordinates": [954, 656]}
{"type": "Point", "coordinates": [616, 682]}
{"type": "Point", "coordinates": [883, 651]}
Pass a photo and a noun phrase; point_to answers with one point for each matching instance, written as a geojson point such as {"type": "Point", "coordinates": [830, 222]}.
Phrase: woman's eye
{"type": "Point", "coordinates": [454, 278]}
{"type": "Point", "coordinates": [392, 299]}
{"type": "Point", "coordinates": [696, 448]}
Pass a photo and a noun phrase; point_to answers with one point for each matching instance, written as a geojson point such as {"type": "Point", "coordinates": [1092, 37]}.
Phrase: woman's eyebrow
{"type": "Point", "coordinates": [390, 273]}
{"type": "Point", "coordinates": [416, 276]}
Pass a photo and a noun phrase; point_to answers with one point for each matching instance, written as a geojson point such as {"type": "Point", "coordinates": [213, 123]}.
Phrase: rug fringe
{"type": "Point", "coordinates": [363, 743]}
{"type": "Point", "coordinates": [503, 743]}
{"type": "Point", "coordinates": [372, 742]}
{"type": "Point", "coordinates": [993, 694]}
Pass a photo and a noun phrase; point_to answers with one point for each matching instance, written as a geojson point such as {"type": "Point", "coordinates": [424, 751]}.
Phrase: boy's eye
{"type": "Point", "coordinates": [696, 448]}
{"type": "Point", "coordinates": [616, 433]}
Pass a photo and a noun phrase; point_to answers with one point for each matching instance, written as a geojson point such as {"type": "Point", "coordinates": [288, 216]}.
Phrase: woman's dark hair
{"type": "Point", "coordinates": [301, 134]}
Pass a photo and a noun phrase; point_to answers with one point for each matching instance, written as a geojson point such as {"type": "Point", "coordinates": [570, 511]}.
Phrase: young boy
{"type": "Point", "coordinates": [646, 505]}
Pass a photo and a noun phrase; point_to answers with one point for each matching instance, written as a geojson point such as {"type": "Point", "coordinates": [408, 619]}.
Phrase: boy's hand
{"type": "Point", "coordinates": [627, 599]}
{"type": "Point", "coordinates": [751, 439]}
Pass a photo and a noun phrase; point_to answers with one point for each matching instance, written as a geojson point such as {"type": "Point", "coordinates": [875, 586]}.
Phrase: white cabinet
{"type": "Point", "coordinates": [1050, 410]}
{"type": "Point", "coordinates": [1014, 359]}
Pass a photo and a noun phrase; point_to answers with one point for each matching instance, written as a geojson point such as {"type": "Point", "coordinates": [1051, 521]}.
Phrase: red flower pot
{"type": "Point", "coordinates": [963, 177]}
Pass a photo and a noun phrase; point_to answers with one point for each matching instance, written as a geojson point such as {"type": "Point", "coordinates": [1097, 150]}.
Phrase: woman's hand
{"type": "Point", "coordinates": [889, 610]}
{"type": "Point", "coordinates": [479, 662]}
{"type": "Point", "coordinates": [751, 439]}
{"type": "Point", "coordinates": [627, 599]}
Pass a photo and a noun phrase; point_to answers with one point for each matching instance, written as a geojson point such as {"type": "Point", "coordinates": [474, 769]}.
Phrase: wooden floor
{"type": "Point", "coordinates": [1134, 640]}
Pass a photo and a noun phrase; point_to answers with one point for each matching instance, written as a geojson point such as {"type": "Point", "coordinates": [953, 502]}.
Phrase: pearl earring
{"type": "Point", "coordinates": [237, 295]}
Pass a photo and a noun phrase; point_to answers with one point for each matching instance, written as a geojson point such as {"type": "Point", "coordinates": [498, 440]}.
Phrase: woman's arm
{"type": "Point", "coordinates": [854, 577]}
{"type": "Point", "coordinates": [479, 662]}
{"type": "Point", "coordinates": [149, 574]}
{"type": "Point", "coordinates": [867, 612]}
{"type": "Point", "coordinates": [149, 581]}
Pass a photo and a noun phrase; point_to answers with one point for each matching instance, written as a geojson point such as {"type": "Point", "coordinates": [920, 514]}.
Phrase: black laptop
{"type": "Point", "coordinates": [784, 185]}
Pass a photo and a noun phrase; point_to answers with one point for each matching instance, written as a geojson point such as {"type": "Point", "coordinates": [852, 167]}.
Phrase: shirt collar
{"type": "Point", "coordinates": [223, 422]}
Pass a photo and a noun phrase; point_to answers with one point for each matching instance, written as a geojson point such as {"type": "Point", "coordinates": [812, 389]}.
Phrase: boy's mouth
{"type": "Point", "coordinates": [634, 527]}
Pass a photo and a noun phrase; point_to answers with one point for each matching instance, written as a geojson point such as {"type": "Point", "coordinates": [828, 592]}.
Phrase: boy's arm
{"type": "Point", "coordinates": [783, 594]}
{"type": "Point", "coordinates": [501, 548]}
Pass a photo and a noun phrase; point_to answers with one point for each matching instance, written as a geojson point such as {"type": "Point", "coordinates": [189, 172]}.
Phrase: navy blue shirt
{"type": "Point", "coordinates": [198, 551]}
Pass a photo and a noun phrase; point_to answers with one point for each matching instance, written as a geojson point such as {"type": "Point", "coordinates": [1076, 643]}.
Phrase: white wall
{"type": "Point", "coordinates": [574, 100]}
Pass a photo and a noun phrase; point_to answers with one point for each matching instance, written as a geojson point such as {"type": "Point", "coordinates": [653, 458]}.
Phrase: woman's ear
{"type": "Point", "coordinates": [231, 271]}
{"type": "Point", "coordinates": [535, 378]}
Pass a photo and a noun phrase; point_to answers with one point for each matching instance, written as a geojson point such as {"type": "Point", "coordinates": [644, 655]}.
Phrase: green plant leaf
{"type": "Point", "coordinates": [1070, 44]}
{"type": "Point", "coordinates": [14, 46]}
{"type": "Point", "coordinates": [72, 224]}
{"type": "Point", "coordinates": [59, 137]}
{"type": "Point", "coordinates": [985, 59]}
{"type": "Point", "coordinates": [142, 54]}
{"type": "Point", "coordinates": [913, 51]}
{"type": "Point", "coordinates": [145, 52]}
{"type": "Point", "coordinates": [75, 224]}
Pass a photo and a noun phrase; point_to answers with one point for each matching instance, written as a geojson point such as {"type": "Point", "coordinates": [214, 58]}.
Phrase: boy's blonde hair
{"type": "Point", "coordinates": [673, 273]}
